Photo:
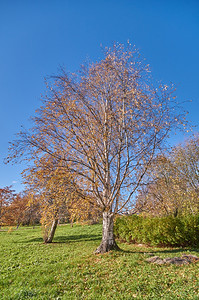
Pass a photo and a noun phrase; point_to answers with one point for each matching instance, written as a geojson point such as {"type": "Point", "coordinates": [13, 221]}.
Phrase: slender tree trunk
{"type": "Point", "coordinates": [108, 241]}
{"type": "Point", "coordinates": [52, 231]}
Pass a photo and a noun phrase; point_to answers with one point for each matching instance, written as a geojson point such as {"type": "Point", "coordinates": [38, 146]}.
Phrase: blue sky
{"type": "Point", "coordinates": [36, 37]}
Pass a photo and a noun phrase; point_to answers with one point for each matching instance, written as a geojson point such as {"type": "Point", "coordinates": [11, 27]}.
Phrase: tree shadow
{"type": "Point", "coordinates": [76, 238]}
{"type": "Point", "coordinates": [67, 239]}
{"type": "Point", "coordinates": [40, 240]}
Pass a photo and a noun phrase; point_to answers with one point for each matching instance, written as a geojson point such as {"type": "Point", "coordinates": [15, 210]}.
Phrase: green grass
{"type": "Point", "coordinates": [68, 269]}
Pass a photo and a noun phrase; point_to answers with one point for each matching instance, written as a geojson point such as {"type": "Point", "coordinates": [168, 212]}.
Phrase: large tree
{"type": "Point", "coordinates": [104, 124]}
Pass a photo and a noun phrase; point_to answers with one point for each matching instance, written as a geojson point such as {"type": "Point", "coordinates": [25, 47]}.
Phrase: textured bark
{"type": "Point", "coordinates": [52, 231]}
{"type": "Point", "coordinates": [108, 241]}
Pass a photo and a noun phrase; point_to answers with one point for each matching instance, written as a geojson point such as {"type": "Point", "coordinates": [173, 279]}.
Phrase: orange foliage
{"type": "Point", "coordinates": [6, 197]}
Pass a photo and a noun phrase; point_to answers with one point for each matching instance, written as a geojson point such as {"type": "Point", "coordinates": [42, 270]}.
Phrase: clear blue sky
{"type": "Point", "coordinates": [38, 36]}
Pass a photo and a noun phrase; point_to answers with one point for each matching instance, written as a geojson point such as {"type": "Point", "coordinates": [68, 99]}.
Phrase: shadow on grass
{"type": "Point", "coordinates": [67, 239]}
{"type": "Point", "coordinates": [77, 238]}
{"type": "Point", "coordinates": [39, 240]}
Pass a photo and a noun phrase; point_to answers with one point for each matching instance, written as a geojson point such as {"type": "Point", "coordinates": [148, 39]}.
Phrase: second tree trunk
{"type": "Point", "coordinates": [52, 231]}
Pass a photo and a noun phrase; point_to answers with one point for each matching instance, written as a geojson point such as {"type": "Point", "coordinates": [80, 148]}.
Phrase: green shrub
{"type": "Point", "coordinates": [164, 231]}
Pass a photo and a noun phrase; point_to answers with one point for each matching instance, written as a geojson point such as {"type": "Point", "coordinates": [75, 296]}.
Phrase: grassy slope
{"type": "Point", "coordinates": [67, 269]}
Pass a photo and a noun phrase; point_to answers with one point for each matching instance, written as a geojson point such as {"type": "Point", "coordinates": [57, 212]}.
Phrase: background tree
{"type": "Point", "coordinates": [16, 212]}
{"type": "Point", "coordinates": [16, 208]}
{"type": "Point", "coordinates": [104, 125]}
{"type": "Point", "coordinates": [84, 210]}
{"type": "Point", "coordinates": [186, 161]}
{"type": "Point", "coordinates": [162, 195]}
{"type": "Point", "coordinates": [32, 213]}
{"type": "Point", "coordinates": [6, 197]}
{"type": "Point", "coordinates": [173, 186]}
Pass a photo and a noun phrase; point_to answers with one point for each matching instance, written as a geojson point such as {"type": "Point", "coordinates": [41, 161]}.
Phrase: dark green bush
{"type": "Point", "coordinates": [164, 231]}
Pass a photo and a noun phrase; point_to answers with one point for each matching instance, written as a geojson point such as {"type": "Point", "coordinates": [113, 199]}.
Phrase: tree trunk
{"type": "Point", "coordinates": [108, 241]}
{"type": "Point", "coordinates": [52, 231]}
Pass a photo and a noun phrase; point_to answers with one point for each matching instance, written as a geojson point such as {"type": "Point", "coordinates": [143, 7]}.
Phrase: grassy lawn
{"type": "Point", "coordinates": [68, 269]}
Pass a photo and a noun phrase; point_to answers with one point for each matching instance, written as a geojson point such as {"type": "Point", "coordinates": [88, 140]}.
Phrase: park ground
{"type": "Point", "coordinates": [68, 269]}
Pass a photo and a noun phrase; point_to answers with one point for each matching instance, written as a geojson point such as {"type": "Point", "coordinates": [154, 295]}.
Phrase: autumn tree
{"type": "Point", "coordinates": [57, 194]}
{"type": "Point", "coordinates": [50, 186]}
{"type": "Point", "coordinates": [105, 124]}
{"type": "Point", "coordinates": [16, 211]}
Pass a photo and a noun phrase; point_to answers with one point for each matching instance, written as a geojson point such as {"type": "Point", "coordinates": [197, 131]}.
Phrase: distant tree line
{"type": "Point", "coordinates": [16, 208]}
